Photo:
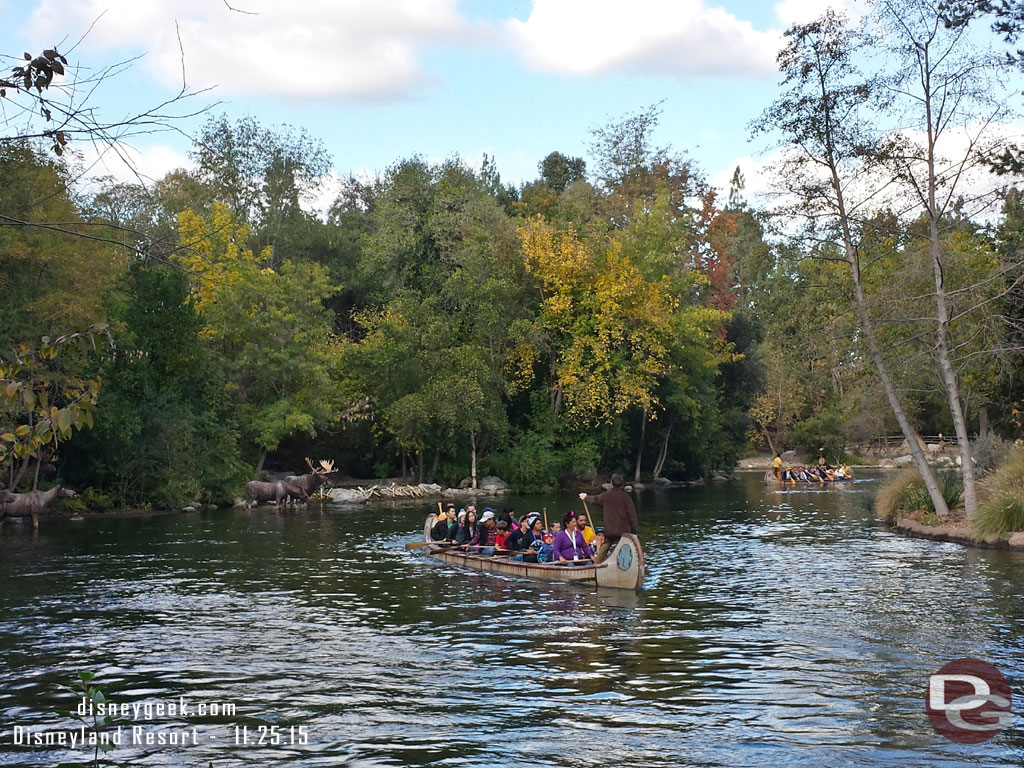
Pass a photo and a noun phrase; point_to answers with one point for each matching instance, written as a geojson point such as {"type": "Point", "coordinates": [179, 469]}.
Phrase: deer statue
{"type": "Point", "coordinates": [31, 504]}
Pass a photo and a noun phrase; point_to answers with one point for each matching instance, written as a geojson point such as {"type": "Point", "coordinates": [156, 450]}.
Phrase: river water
{"type": "Point", "coordinates": [775, 628]}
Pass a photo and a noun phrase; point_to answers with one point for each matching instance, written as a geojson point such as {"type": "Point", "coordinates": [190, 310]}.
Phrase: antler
{"type": "Point", "coordinates": [325, 468]}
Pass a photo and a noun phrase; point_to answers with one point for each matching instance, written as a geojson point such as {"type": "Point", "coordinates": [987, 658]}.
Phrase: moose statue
{"type": "Point", "coordinates": [292, 487]}
{"type": "Point", "coordinates": [31, 504]}
{"type": "Point", "coordinates": [313, 480]}
{"type": "Point", "coordinates": [278, 491]}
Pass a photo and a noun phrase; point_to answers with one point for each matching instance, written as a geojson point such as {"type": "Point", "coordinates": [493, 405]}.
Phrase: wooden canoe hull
{"type": "Point", "coordinates": [623, 568]}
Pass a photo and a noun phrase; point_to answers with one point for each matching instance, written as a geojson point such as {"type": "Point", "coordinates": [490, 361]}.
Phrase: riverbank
{"type": "Point", "coordinates": [958, 531]}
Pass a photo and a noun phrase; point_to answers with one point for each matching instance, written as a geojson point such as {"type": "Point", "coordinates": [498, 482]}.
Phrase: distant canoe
{"type": "Point", "coordinates": [622, 569]}
{"type": "Point", "coordinates": [771, 479]}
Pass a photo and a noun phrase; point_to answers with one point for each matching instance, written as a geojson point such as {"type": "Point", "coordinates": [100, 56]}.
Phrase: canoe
{"type": "Point", "coordinates": [771, 479]}
{"type": "Point", "coordinates": [622, 569]}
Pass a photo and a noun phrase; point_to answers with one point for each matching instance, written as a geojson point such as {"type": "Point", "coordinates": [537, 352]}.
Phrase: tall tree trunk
{"type": "Point", "coordinates": [867, 326]}
{"type": "Point", "coordinates": [640, 448]}
{"type": "Point", "coordinates": [949, 379]}
{"type": "Point", "coordinates": [422, 461]}
{"type": "Point", "coordinates": [472, 468]}
{"type": "Point", "coordinates": [35, 477]}
{"type": "Point", "coordinates": [21, 474]}
{"type": "Point", "coordinates": [402, 476]}
{"type": "Point", "coordinates": [912, 438]}
{"type": "Point", "coordinates": [983, 421]}
{"type": "Point", "coordinates": [259, 464]}
{"type": "Point", "coordinates": [768, 437]}
{"type": "Point", "coordinates": [663, 453]}
{"type": "Point", "coordinates": [434, 466]}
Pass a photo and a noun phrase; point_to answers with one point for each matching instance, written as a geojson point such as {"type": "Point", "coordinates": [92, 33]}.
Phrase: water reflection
{"type": "Point", "coordinates": [774, 628]}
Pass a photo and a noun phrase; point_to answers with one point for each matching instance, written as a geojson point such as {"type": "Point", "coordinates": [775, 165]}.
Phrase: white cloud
{"type": "Point", "coordinates": [671, 37]}
{"type": "Point", "coordinates": [130, 164]}
{"type": "Point", "coordinates": [367, 49]}
{"type": "Point", "coordinates": [756, 177]}
{"type": "Point", "coordinates": [979, 190]}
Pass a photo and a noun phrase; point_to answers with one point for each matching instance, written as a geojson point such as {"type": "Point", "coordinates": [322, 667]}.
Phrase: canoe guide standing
{"type": "Point", "coordinates": [619, 514]}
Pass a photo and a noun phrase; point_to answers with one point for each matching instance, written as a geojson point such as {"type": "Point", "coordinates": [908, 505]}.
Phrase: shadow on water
{"type": "Point", "coordinates": [775, 628]}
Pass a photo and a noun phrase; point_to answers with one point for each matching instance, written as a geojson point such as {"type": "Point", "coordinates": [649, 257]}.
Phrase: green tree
{"type": "Point", "coordinates": [270, 326]}
{"type": "Point", "coordinates": [165, 432]}
{"type": "Point", "coordinates": [558, 172]}
{"type": "Point", "coordinates": [822, 118]}
{"type": "Point", "coordinates": [262, 175]}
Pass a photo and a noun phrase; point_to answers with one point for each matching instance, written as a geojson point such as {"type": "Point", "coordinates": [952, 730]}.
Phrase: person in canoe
{"type": "Point", "coordinates": [508, 515]}
{"type": "Point", "coordinates": [515, 537]}
{"type": "Point", "coordinates": [467, 527]}
{"type": "Point", "coordinates": [569, 546]}
{"type": "Point", "coordinates": [777, 466]}
{"type": "Point", "coordinates": [447, 527]}
{"type": "Point", "coordinates": [486, 537]}
{"type": "Point", "coordinates": [583, 526]}
{"type": "Point", "coordinates": [529, 540]}
{"type": "Point", "coordinates": [619, 514]}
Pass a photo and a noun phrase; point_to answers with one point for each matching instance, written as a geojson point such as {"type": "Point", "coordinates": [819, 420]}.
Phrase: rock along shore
{"type": "Point", "coordinates": [960, 534]}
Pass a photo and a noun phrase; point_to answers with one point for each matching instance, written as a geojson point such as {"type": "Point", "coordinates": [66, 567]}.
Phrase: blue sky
{"type": "Point", "coordinates": [379, 80]}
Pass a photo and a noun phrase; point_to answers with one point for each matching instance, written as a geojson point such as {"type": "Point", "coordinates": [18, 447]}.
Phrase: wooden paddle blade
{"type": "Point", "coordinates": [420, 544]}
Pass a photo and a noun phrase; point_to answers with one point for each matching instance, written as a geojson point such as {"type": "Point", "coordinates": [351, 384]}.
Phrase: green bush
{"type": "Point", "coordinates": [531, 464]}
{"type": "Point", "coordinates": [1002, 512]}
{"type": "Point", "coordinates": [90, 500]}
{"type": "Point", "coordinates": [990, 451]}
{"type": "Point", "coordinates": [581, 459]}
{"type": "Point", "coordinates": [951, 486]}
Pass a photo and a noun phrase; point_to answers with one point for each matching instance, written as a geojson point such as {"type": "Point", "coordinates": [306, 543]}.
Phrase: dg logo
{"type": "Point", "coordinates": [968, 701]}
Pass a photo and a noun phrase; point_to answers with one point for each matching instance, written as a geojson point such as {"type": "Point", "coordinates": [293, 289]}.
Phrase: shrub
{"type": "Point", "coordinates": [897, 496]}
{"type": "Point", "coordinates": [89, 500]}
{"type": "Point", "coordinates": [1002, 511]}
{"type": "Point", "coordinates": [951, 486]}
{"type": "Point", "coordinates": [532, 464]}
{"type": "Point", "coordinates": [904, 492]}
{"type": "Point", "coordinates": [990, 451]}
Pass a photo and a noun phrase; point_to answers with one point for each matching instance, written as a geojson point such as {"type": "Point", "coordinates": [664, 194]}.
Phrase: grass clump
{"type": "Point", "coordinates": [951, 486]}
{"type": "Point", "coordinates": [904, 492]}
{"type": "Point", "coordinates": [899, 495]}
{"type": "Point", "coordinates": [1002, 512]}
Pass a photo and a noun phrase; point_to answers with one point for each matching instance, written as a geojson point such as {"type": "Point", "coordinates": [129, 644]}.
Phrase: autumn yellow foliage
{"type": "Point", "coordinates": [608, 329]}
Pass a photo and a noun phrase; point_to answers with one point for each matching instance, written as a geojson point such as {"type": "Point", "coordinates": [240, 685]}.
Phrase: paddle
{"type": "Point", "coordinates": [420, 544]}
{"type": "Point", "coordinates": [590, 517]}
